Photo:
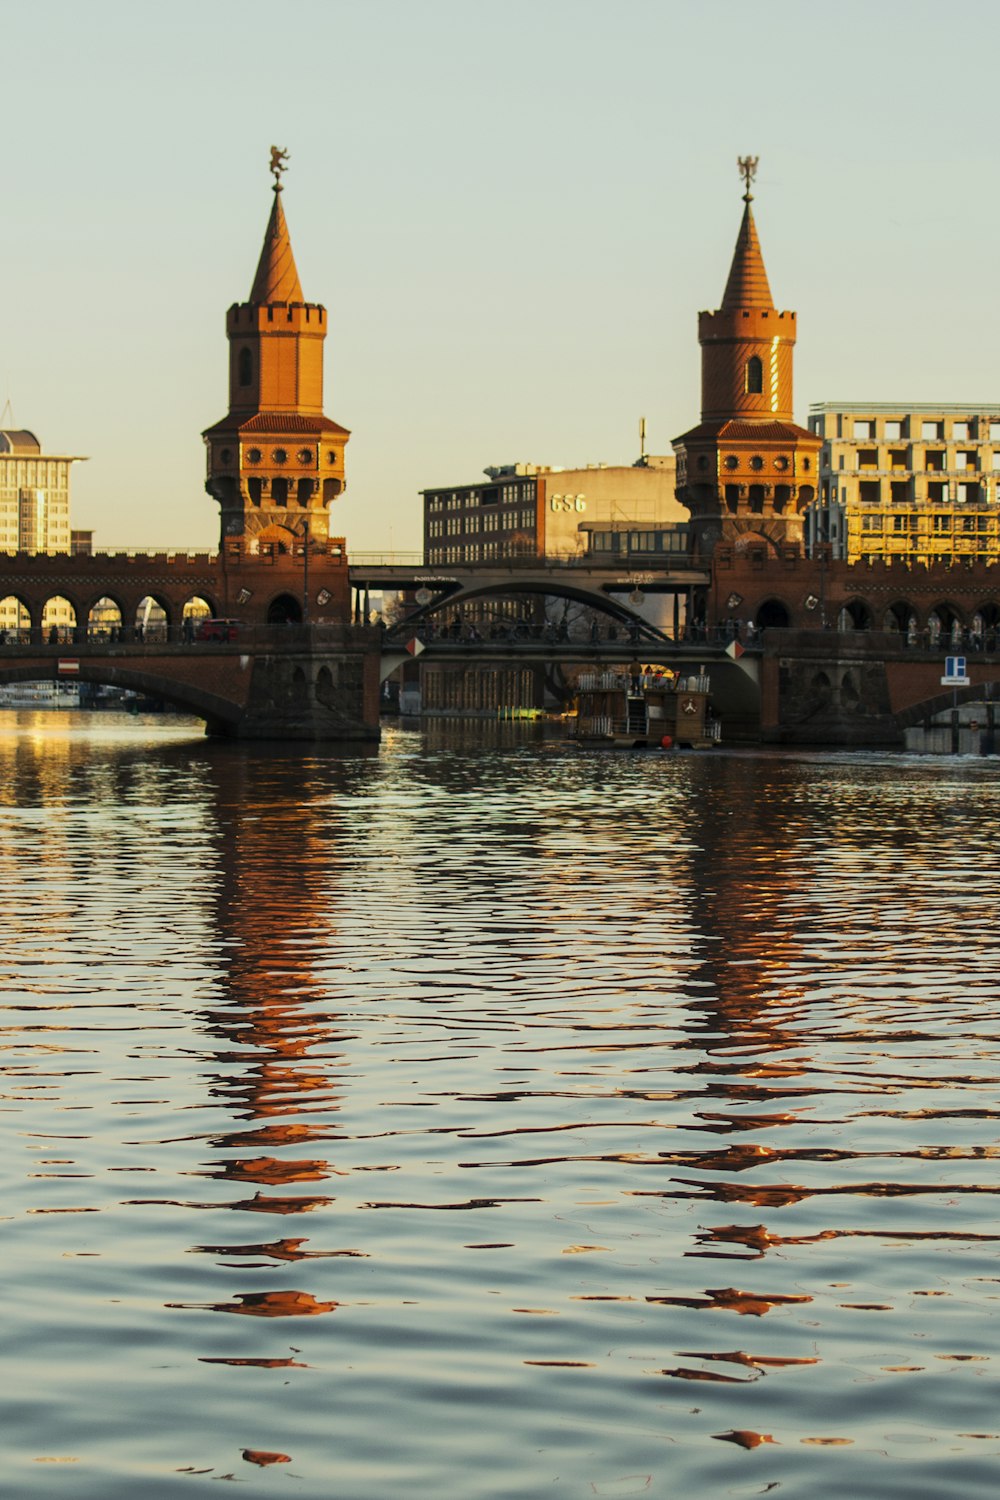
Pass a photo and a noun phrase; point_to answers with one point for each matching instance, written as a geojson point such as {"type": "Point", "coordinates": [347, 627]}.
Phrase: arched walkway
{"type": "Point", "coordinates": [773, 615]}
{"type": "Point", "coordinates": [284, 610]}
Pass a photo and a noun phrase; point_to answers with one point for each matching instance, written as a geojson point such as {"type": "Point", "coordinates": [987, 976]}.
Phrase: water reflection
{"type": "Point", "coordinates": [514, 1041]}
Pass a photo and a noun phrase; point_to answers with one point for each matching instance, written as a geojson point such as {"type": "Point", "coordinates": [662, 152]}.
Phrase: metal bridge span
{"type": "Point", "coordinates": [583, 580]}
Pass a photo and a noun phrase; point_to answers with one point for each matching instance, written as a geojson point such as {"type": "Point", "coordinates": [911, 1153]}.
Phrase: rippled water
{"type": "Point", "coordinates": [484, 1118]}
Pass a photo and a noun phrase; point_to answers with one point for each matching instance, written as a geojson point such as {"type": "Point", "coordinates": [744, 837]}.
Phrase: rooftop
{"type": "Point", "coordinates": [890, 408]}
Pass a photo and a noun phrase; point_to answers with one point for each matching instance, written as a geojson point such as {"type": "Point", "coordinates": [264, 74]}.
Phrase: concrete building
{"type": "Point", "coordinates": [34, 512]}
{"type": "Point", "coordinates": [908, 481]}
{"type": "Point", "coordinates": [528, 510]}
{"type": "Point", "coordinates": [34, 495]}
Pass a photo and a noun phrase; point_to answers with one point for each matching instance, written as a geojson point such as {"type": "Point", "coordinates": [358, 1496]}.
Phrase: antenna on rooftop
{"type": "Point", "coordinates": [642, 440]}
{"type": "Point", "coordinates": [7, 415]}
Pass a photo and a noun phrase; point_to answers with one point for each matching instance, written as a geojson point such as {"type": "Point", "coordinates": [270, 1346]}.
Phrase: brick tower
{"type": "Point", "coordinates": [275, 462]}
{"type": "Point", "coordinates": [746, 472]}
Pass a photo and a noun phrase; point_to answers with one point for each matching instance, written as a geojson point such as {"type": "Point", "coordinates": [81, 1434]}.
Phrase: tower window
{"type": "Point", "coordinates": [754, 376]}
{"type": "Point", "coordinates": [245, 367]}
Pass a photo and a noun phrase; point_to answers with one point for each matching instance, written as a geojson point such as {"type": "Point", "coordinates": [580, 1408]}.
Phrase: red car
{"type": "Point", "coordinates": [217, 630]}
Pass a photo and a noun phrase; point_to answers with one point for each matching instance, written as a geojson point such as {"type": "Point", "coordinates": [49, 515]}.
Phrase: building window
{"type": "Point", "coordinates": [863, 429]}
{"type": "Point", "coordinates": [754, 376]}
{"type": "Point", "coordinates": [932, 430]}
{"type": "Point", "coordinates": [246, 367]}
{"type": "Point", "coordinates": [960, 432]}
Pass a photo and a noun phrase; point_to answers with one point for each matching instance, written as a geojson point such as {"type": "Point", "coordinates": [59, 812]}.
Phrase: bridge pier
{"type": "Point", "coordinates": [288, 683]}
{"type": "Point", "coordinates": [309, 691]}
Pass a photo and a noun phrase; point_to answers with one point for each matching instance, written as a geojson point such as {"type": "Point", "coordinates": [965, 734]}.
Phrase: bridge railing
{"type": "Point", "coordinates": [233, 636]}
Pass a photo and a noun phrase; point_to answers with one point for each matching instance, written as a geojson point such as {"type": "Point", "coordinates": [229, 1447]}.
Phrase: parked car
{"type": "Point", "coordinates": [218, 630]}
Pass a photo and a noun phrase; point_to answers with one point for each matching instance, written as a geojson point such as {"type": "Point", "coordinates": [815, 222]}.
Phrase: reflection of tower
{"type": "Point", "coordinates": [275, 462]}
{"type": "Point", "coordinates": [746, 471]}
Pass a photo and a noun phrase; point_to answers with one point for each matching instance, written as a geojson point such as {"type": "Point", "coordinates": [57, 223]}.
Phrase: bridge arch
{"type": "Point", "coordinates": [104, 615]}
{"type": "Point", "coordinates": [900, 617]}
{"type": "Point", "coordinates": [986, 625]}
{"type": "Point", "coordinates": [855, 615]}
{"type": "Point", "coordinates": [196, 608]}
{"type": "Point", "coordinates": [58, 619]}
{"type": "Point", "coordinates": [152, 620]}
{"type": "Point", "coordinates": [599, 600]}
{"type": "Point", "coordinates": [773, 614]}
{"type": "Point", "coordinates": [219, 713]}
{"type": "Point", "coordinates": [15, 614]}
{"type": "Point", "coordinates": [284, 609]}
{"type": "Point", "coordinates": [939, 703]}
{"type": "Point", "coordinates": [944, 622]}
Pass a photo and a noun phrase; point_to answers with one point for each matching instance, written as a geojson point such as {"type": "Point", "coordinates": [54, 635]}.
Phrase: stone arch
{"type": "Point", "coordinates": [152, 619]}
{"type": "Point", "coordinates": [855, 615]}
{"type": "Point", "coordinates": [284, 609]}
{"type": "Point", "coordinates": [820, 692]}
{"type": "Point", "coordinates": [197, 608]}
{"type": "Point", "coordinates": [772, 614]}
{"type": "Point", "coordinates": [986, 625]}
{"type": "Point", "coordinates": [325, 687]}
{"type": "Point", "coordinates": [300, 688]}
{"type": "Point", "coordinates": [849, 695]}
{"type": "Point", "coordinates": [944, 623]}
{"type": "Point", "coordinates": [104, 618]}
{"type": "Point", "coordinates": [807, 493]}
{"type": "Point", "coordinates": [15, 617]}
{"type": "Point", "coordinates": [58, 620]}
{"type": "Point", "coordinates": [898, 616]}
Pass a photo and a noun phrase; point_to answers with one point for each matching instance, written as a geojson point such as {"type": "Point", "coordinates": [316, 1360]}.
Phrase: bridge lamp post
{"type": "Point", "coordinates": [305, 575]}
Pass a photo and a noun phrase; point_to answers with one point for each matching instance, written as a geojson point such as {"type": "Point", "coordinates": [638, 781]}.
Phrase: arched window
{"type": "Point", "coordinates": [246, 367]}
{"type": "Point", "coordinates": [755, 376]}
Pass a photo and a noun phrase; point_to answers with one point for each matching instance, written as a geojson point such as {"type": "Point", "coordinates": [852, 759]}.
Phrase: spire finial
{"type": "Point", "coordinates": [748, 171]}
{"type": "Point", "coordinates": [279, 157]}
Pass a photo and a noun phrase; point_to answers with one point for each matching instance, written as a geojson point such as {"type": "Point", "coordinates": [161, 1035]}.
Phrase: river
{"type": "Point", "coordinates": [484, 1119]}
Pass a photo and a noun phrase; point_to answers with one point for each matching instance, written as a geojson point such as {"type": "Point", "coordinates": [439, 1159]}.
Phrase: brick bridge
{"type": "Point", "coordinates": [294, 670]}
{"type": "Point", "coordinates": [297, 671]}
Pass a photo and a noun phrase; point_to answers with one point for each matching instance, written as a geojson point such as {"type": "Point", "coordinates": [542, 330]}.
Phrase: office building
{"type": "Point", "coordinates": [525, 511]}
{"type": "Point", "coordinates": [908, 481]}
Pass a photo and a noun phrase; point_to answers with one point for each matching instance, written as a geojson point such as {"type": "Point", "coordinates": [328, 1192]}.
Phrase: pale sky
{"type": "Point", "coordinates": [513, 211]}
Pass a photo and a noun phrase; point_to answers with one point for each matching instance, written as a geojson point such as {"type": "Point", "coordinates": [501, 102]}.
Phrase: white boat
{"type": "Point", "coordinates": [40, 695]}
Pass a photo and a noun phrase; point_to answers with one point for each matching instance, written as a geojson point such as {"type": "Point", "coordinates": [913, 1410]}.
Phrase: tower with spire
{"type": "Point", "coordinates": [275, 462]}
{"type": "Point", "coordinates": [747, 471]}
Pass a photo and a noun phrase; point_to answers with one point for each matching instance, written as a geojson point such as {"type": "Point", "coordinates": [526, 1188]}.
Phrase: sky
{"type": "Point", "coordinates": [512, 213]}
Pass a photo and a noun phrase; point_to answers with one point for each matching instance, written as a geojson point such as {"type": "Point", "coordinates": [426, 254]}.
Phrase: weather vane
{"type": "Point", "coordinates": [279, 157]}
{"type": "Point", "coordinates": [748, 171]}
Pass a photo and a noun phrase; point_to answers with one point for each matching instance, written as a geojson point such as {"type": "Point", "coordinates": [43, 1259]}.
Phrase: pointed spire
{"type": "Point", "coordinates": [276, 280]}
{"type": "Point", "coordinates": [747, 285]}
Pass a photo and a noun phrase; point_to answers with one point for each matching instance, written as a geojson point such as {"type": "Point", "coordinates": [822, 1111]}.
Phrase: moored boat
{"type": "Point", "coordinates": [636, 710]}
